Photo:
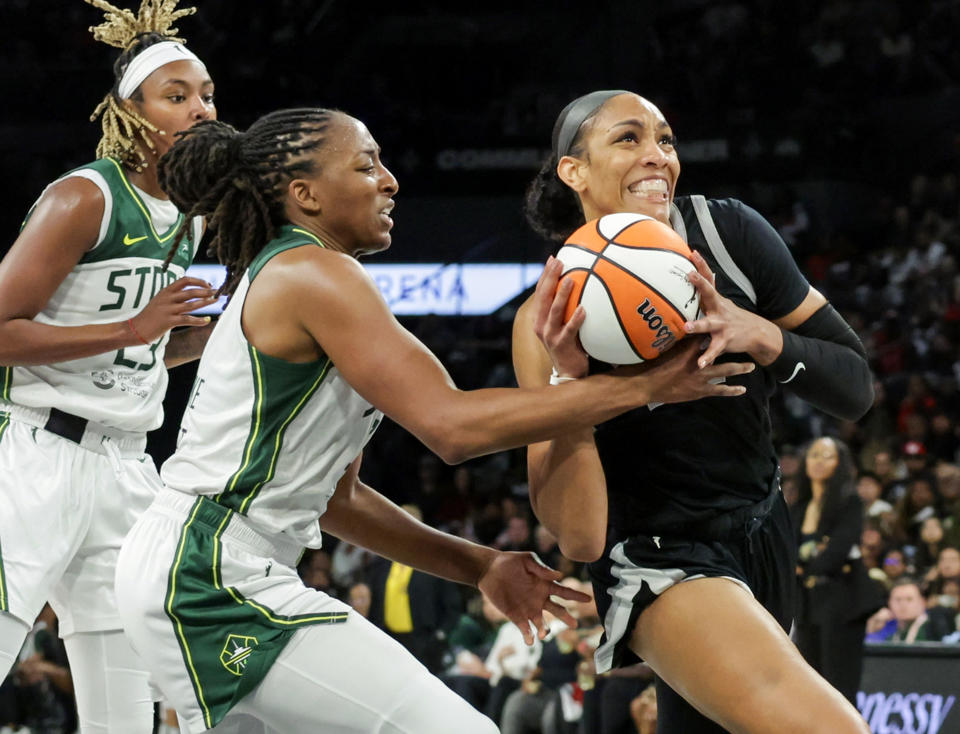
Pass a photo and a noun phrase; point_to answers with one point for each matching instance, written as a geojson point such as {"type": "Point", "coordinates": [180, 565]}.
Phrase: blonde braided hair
{"type": "Point", "coordinates": [123, 127]}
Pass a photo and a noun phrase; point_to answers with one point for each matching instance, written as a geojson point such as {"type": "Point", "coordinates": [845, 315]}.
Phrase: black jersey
{"type": "Point", "coordinates": [687, 462]}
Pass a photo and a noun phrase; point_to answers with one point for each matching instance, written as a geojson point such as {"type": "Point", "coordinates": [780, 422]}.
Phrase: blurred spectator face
{"type": "Point", "coordinates": [359, 599]}
{"type": "Point", "coordinates": [893, 565]}
{"type": "Point", "coordinates": [869, 489]}
{"type": "Point", "coordinates": [316, 572]}
{"type": "Point", "coordinates": [883, 464]}
{"type": "Point", "coordinates": [461, 479]}
{"type": "Point", "coordinates": [789, 462]}
{"type": "Point", "coordinates": [948, 563]}
{"type": "Point", "coordinates": [871, 543]}
{"type": "Point", "coordinates": [949, 595]}
{"type": "Point", "coordinates": [790, 486]}
{"type": "Point", "coordinates": [914, 456]}
{"type": "Point", "coordinates": [931, 531]}
{"type": "Point", "coordinates": [915, 427]}
{"type": "Point", "coordinates": [821, 459]}
{"type": "Point", "coordinates": [518, 530]}
{"type": "Point", "coordinates": [921, 494]}
{"type": "Point", "coordinates": [906, 602]}
{"type": "Point", "coordinates": [546, 542]}
{"type": "Point", "coordinates": [948, 481]}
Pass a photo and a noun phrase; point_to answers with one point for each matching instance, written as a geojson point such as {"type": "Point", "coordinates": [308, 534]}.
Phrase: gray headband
{"type": "Point", "coordinates": [569, 122]}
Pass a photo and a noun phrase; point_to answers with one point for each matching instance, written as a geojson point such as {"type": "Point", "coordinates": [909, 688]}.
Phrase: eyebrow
{"type": "Point", "coordinates": [206, 83]}
{"type": "Point", "coordinates": [638, 123]}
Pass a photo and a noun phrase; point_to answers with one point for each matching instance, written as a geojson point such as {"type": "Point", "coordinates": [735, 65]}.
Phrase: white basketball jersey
{"type": "Point", "coordinates": [265, 437]}
{"type": "Point", "coordinates": [112, 282]}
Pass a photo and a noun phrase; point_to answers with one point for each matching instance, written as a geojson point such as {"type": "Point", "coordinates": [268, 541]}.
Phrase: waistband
{"type": "Point", "coordinates": [740, 522]}
{"type": "Point", "coordinates": [85, 433]}
{"type": "Point", "coordinates": [205, 514]}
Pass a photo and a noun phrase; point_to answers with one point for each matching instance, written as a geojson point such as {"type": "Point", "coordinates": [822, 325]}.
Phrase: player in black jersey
{"type": "Point", "coordinates": [678, 506]}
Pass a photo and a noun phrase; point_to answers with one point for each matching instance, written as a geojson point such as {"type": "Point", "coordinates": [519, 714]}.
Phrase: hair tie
{"type": "Point", "coordinates": [572, 117]}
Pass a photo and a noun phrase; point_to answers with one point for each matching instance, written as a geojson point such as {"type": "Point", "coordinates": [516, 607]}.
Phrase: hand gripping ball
{"type": "Point", "coordinates": [630, 274]}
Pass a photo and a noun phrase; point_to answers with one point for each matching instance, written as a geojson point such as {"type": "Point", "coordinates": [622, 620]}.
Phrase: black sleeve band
{"type": "Point", "coordinates": [824, 363]}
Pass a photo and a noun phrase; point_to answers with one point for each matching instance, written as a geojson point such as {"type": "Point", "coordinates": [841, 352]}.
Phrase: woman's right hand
{"type": "Point", "coordinates": [171, 307]}
{"type": "Point", "coordinates": [675, 377]}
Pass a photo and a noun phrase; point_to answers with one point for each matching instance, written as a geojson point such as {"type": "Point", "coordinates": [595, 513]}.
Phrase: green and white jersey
{"type": "Point", "coordinates": [265, 437]}
{"type": "Point", "coordinates": [113, 281]}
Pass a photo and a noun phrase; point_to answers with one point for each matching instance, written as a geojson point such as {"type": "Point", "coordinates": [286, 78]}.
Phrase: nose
{"type": "Point", "coordinates": [388, 182]}
{"type": "Point", "coordinates": [200, 109]}
{"type": "Point", "coordinates": [652, 154]}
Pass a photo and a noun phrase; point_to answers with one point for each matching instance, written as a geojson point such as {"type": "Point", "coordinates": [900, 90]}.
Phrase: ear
{"type": "Point", "coordinates": [304, 196]}
{"type": "Point", "coordinates": [572, 171]}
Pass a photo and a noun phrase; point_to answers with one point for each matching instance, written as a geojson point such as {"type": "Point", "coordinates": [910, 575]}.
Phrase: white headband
{"type": "Point", "coordinates": [147, 62]}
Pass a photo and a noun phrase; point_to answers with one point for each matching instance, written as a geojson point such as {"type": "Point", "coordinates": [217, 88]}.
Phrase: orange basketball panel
{"type": "Point", "coordinates": [650, 322]}
{"type": "Point", "coordinates": [588, 237]}
{"type": "Point", "coordinates": [579, 278]}
{"type": "Point", "coordinates": [650, 233]}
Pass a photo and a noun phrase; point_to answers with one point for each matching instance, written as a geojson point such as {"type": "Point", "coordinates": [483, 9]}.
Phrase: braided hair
{"type": "Point", "coordinates": [238, 180]}
{"type": "Point", "coordinates": [123, 127]}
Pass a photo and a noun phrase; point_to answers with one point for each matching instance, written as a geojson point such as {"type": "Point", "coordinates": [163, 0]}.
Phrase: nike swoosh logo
{"type": "Point", "coordinates": [128, 240]}
{"type": "Point", "coordinates": [796, 371]}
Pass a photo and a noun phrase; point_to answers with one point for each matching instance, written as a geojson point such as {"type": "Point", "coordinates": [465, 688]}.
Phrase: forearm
{"type": "Point", "coordinates": [29, 342]}
{"type": "Point", "coordinates": [568, 493]}
{"type": "Point", "coordinates": [366, 518]}
{"type": "Point", "coordinates": [186, 345]}
{"type": "Point", "coordinates": [477, 422]}
{"type": "Point", "coordinates": [823, 362]}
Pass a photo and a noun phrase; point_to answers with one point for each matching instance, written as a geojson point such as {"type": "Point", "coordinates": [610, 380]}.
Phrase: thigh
{"type": "Point", "coordinates": [717, 647]}
{"type": "Point", "coordinates": [45, 489]}
{"type": "Point", "coordinates": [86, 590]}
{"type": "Point", "coordinates": [110, 683]}
{"type": "Point", "coordinates": [354, 679]}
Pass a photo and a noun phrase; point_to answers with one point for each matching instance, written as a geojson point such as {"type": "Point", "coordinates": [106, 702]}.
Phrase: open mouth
{"type": "Point", "coordinates": [654, 189]}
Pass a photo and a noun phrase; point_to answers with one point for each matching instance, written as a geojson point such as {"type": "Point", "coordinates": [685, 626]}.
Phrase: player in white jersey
{"type": "Point", "coordinates": [297, 373]}
{"type": "Point", "coordinates": [86, 308]}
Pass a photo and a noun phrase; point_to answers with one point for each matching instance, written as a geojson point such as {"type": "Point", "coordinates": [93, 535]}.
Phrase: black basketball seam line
{"type": "Point", "coordinates": [616, 314]}
{"type": "Point", "coordinates": [617, 265]}
{"type": "Point", "coordinates": [600, 254]}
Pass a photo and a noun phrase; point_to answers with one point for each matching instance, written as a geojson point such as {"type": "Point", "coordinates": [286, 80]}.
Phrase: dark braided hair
{"type": "Point", "coordinates": [238, 180]}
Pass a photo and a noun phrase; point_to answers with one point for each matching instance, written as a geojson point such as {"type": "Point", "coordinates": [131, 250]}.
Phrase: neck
{"type": "Point", "coordinates": [329, 240]}
{"type": "Point", "coordinates": [146, 180]}
{"type": "Point", "coordinates": [817, 487]}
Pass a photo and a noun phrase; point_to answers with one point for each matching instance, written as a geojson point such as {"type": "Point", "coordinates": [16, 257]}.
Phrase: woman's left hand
{"type": "Point", "coordinates": [520, 585]}
{"type": "Point", "coordinates": [730, 328]}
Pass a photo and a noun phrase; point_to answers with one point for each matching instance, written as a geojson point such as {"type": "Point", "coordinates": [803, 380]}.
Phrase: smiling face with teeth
{"type": "Point", "coordinates": [351, 191]}
{"type": "Point", "coordinates": [623, 160]}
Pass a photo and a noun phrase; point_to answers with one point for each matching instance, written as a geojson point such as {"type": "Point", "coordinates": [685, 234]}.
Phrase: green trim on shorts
{"type": "Point", "coordinates": [6, 378]}
{"type": "Point", "coordinates": [4, 599]}
{"type": "Point", "coordinates": [4, 422]}
{"type": "Point", "coordinates": [228, 642]}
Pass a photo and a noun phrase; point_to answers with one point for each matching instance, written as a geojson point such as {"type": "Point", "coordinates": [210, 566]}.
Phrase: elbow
{"type": "Point", "coordinates": [449, 447]}
{"type": "Point", "coordinates": [860, 400]}
{"type": "Point", "coordinates": [582, 548]}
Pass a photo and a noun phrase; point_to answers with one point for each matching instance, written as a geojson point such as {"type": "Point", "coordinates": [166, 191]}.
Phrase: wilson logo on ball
{"type": "Point", "coordinates": [617, 262]}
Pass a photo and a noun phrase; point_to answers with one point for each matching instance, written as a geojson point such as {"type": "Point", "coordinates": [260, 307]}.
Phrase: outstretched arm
{"type": "Point", "coordinates": [518, 584]}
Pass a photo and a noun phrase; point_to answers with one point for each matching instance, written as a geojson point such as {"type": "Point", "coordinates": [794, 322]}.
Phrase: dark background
{"type": "Point", "coordinates": [837, 106]}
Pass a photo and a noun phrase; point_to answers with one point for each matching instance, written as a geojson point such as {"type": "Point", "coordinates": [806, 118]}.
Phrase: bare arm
{"type": "Point", "coordinates": [186, 345]}
{"type": "Point", "coordinates": [63, 226]}
{"type": "Point", "coordinates": [339, 307]}
{"type": "Point", "coordinates": [517, 583]}
{"type": "Point", "coordinates": [568, 490]}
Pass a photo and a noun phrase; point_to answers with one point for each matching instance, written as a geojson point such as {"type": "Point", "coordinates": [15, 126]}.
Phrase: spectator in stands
{"type": "Point", "coordinates": [836, 595]}
{"type": "Point", "coordinates": [869, 489]}
{"type": "Point", "coordinates": [905, 617]}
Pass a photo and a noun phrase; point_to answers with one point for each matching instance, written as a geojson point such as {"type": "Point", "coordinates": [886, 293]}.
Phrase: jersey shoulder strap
{"type": "Point", "coordinates": [714, 242]}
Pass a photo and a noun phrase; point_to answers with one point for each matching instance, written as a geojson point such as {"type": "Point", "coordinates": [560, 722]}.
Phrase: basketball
{"type": "Point", "coordinates": [630, 274]}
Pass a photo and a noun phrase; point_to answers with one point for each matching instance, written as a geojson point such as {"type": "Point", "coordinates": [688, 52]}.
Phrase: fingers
{"type": "Point", "coordinates": [559, 304]}
{"type": "Point", "coordinates": [524, 625]}
{"type": "Point", "coordinates": [191, 294]}
{"type": "Point", "coordinates": [545, 290]}
{"type": "Point", "coordinates": [709, 296]}
{"type": "Point", "coordinates": [561, 613]}
{"type": "Point", "coordinates": [538, 568]}
{"type": "Point", "coordinates": [188, 282]}
{"type": "Point", "coordinates": [194, 321]}
{"type": "Point", "coordinates": [565, 592]}
{"type": "Point", "coordinates": [703, 269]}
